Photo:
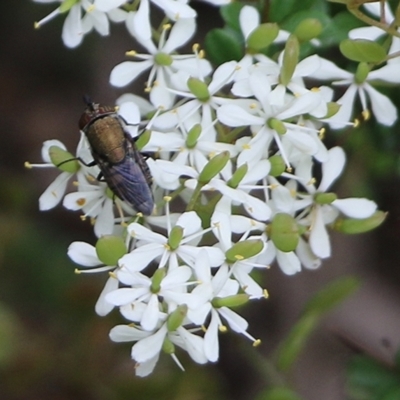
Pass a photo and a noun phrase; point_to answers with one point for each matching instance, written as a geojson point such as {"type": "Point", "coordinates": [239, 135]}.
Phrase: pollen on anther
{"type": "Point", "coordinates": [91, 8]}
{"type": "Point", "coordinates": [239, 257]}
{"type": "Point", "coordinates": [265, 294]}
{"type": "Point", "coordinates": [257, 342]}
{"type": "Point", "coordinates": [77, 271]}
{"type": "Point", "coordinates": [356, 123]}
{"type": "Point", "coordinates": [112, 275]}
{"type": "Point", "coordinates": [28, 165]}
{"type": "Point", "coordinates": [167, 26]}
{"type": "Point", "coordinates": [167, 199]}
{"type": "Point", "coordinates": [315, 89]}
{"type": "Point", "coordinates": [131, 53]}
{"type": "Point", "coordinates": [196, 47]}
{"type": "Point", "coordinates": [366, 115]}
{"type": "Point", "coordinates": [201, 54]}
{"type": "Point", "coordinates": [223, 328]}
{"type": "Point", "coordinates": [253, 106]}
{"type": "Point", "coordinates": [321, 133]}
{"type": "Point", "coordinates": [36, 25]}
{"type": "Point", "coordinates": [81, 202]}
{"type": "Point", "coordinates": [246, 146]}
{"type": "Point", "coordinates": [83, 217]}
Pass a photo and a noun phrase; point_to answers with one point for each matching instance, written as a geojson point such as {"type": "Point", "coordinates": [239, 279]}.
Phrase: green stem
{"type": "Point", "coordinates": [195, 195]}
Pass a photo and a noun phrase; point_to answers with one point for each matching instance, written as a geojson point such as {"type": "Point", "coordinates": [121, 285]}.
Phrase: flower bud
{"type": "Point", "coordinates": [199, 89]}
{"type": "Point", "coordinates": [325, 198]}
{"type": "Point", "coordinates": [110, 249]}
{"type": "Point", "coordinates": [278, 165]}
{"type": "Point", "coordinates": [353, 226]}
{"type": "Point", "coordinates": [175, 237]}
{"type": "Point", "coordinates": [277, 126]}
{"type": "Point", "coordinates": [156, 280]}
{"type": "Point", "coordinates": [230, 301]}
{"type": "Point", "coordinates": [243, 250]}
{"type": "Point", "coordinates": [290, 59]}
{"type": "Point", "coordinates": [163, 59]}
{"type": "Point", "coordinates": [175, 319]}
{"type": "Point", "coordinates": [238, 176]}
{"type": "Point", "coordinates": [284, 232]}
{"type": "Point", "coordinates": [214, 167]}
{"type": "Point", "coordinates": [308, 29]}
{"type": "Point", "coordinates": [192, 136]}
{"type": "Point", "coordinates": [362, 73]}
{"type": "Point", "coordinates": [143, 139]}
{"type": "Point", "coordinates": [63, 160]}
{"type": "Point", "coordinates": [66, 5]}
{"type": "Point", "coordinates": [262, 37]}
{"type": "Point", "coordinates": [168, 347]}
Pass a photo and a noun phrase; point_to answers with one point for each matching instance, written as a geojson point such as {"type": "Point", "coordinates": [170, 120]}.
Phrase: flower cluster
{"type": "Point", "coordinates": [236, 151]}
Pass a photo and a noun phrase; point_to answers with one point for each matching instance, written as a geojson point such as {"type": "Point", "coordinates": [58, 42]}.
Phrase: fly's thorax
{"type": "Point", "coordinates": [107, 138]}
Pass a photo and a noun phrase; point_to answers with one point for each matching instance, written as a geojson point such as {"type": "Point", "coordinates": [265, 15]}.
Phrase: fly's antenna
{"type": "Point", "coordinates": [88, 101]}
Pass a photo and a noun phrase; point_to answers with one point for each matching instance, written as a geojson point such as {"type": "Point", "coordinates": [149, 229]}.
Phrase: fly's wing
{"type": "Point", "coordinates": [130, 180]}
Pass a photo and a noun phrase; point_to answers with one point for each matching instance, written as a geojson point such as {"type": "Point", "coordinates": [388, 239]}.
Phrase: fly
{"type": "Point", "coordinates": [114, 151]}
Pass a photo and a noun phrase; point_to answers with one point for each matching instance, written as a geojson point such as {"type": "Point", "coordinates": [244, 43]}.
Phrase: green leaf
{"type": "Point", "coordinates": [332, 295]}
{"type": "Point", "coordinates": [230, 14]}
{"type": "Point", "coordinates": [223, 45]}
{"type": "Point", "coordinates": [351, 226]}
{"type": "Point", "coordinates": [365, 375]}
{"type": "Point", "coordinates": [362, 50]}
{"type": "Point", "coordinates": [294, 343]}
{"type": "Point", "coordinates": [278, 393]}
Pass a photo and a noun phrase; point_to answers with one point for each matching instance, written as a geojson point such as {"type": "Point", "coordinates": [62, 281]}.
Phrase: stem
{"type": "Point", "coordinates": [195, 195]}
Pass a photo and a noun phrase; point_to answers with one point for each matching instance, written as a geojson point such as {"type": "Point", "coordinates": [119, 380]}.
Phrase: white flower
{"type": "Point", "coordinates": [56, 190]}
{"type": "Point", "coordinates": [382, 107]}
{"type": "Point", "coordinates": [146, 350]}
{"type": "Point", "coordinates": [96, 15]}
{"type": "Point", "coordinates": [169, 289]}
{"type": "Point", "coordinates": [155, 245]}
{"type": "Point", "coordinates": [261, 116]}
{"type": "Point", "coordinates": [85, 255]}
{"type": "Point", "coordinates": [322, 214]}
{"type": "Point", "coordinates": [161, 60]}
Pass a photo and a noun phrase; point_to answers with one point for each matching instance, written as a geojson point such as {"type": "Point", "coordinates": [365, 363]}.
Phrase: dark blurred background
{"type": "Point", "coordinates": [53, 346]}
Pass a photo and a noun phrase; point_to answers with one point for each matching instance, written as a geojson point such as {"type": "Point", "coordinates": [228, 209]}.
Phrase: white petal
{"type": "Point", "coordinates": [103, 307]}
{"type": "Point", "coordinates": [72, 32]}
{"type": "Point", "coordinates": [302, 141]}
{"type": "Point", "coordinates": [319, 238]}
{"type": "Point", "coordinates": [234, 320]}
{"type": "Point", "coordinates": [175, 9]}
{"type": "Point", "coordinates": [211, 343]}
{"type": "Point", "coordinates": [83, 254]}
{"type": "Point", "coordinates": [104, 224]}
{"type": "Point", "coordinates": [151, 314]}
{"type": "Point", "coordinates": [222, 75]}
{"type": "Point", "coordinates": [107, 5]}
{"type": "Point", "coordinates": [146, 368]}
{"type": "Point", "coordinates": [125, 333]}
{"type": "Point", "coordinates": [127, 71]}
{"type": "Point", "coordinates": [181, 32]}
{"type": "Point", "coordinates": [233, 115]}
{"type": "Point", "coordinates": [249, 19]}
{"type": "Point", "coordinates": [382, 107]}
{"type": "Point", "coordinates": [288, 262]}
{"type": "Point", "coordinates": [141, 257]}
{"type": "Point", "coordinates": [148, 347]}
{"type": "Point", "coordinates": [332, 168]}
{"type": "Point", "coordinates": [194, 345]}
{"type": "Point", "coordinates": [356, 208]}
{"type": "Point", "coordinates": [54, 193]}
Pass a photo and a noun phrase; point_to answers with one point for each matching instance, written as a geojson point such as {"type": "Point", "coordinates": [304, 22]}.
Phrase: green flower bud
{"type": "Point", "coordinates": [175, 237]}
{"type": "Point", "coordinates": [168, 347]}
{"type": "Point", "coordinates": [238, 176]}
{"type": "Point", "coordinates": [214, 167]}
{"type": "Point", "coordinates": [143, 139]}
{"type": "Point", "coordinates": [284, 232]}
{"type": "Point", "coordinates": [290, 60]}
{"type": "Point", "coordinates": [192, 136]}
{"type": "Point", "coordinates": [353, 226]}
{"type": "Point", "coordinates": [278, 166]}
{"type": "Point", "coordinates": [362, 73]}
{"type": "Point", "coordinates": [262, 37]}
{"type": "Point", "coordinates": [325, 198]}
{"type": "Point", "coordinates": [156, 280]}
{"type": "Point", "coordinates": [175, 319]}
{"type": "Point", "coordinates": [199, 89]}
{"type": "Point", "coordinates": [230, 301]}
{"type": "Point", "coordinates": [66, 5]}
{"type": "Point", "coordinates": [110, 249]}
{"type": "Point", "coordinates": [163, 59]}
{"type": "Point", "coordinates": [308, 29]}
{"type": "Point", "coordinates": [243, 250]}
{"type": "Point", "coordinates": [63, 160]}
{"type": "Point", "coordinates": [277, 125]}
{"type": "Point", "coordinates": [333, 108]}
